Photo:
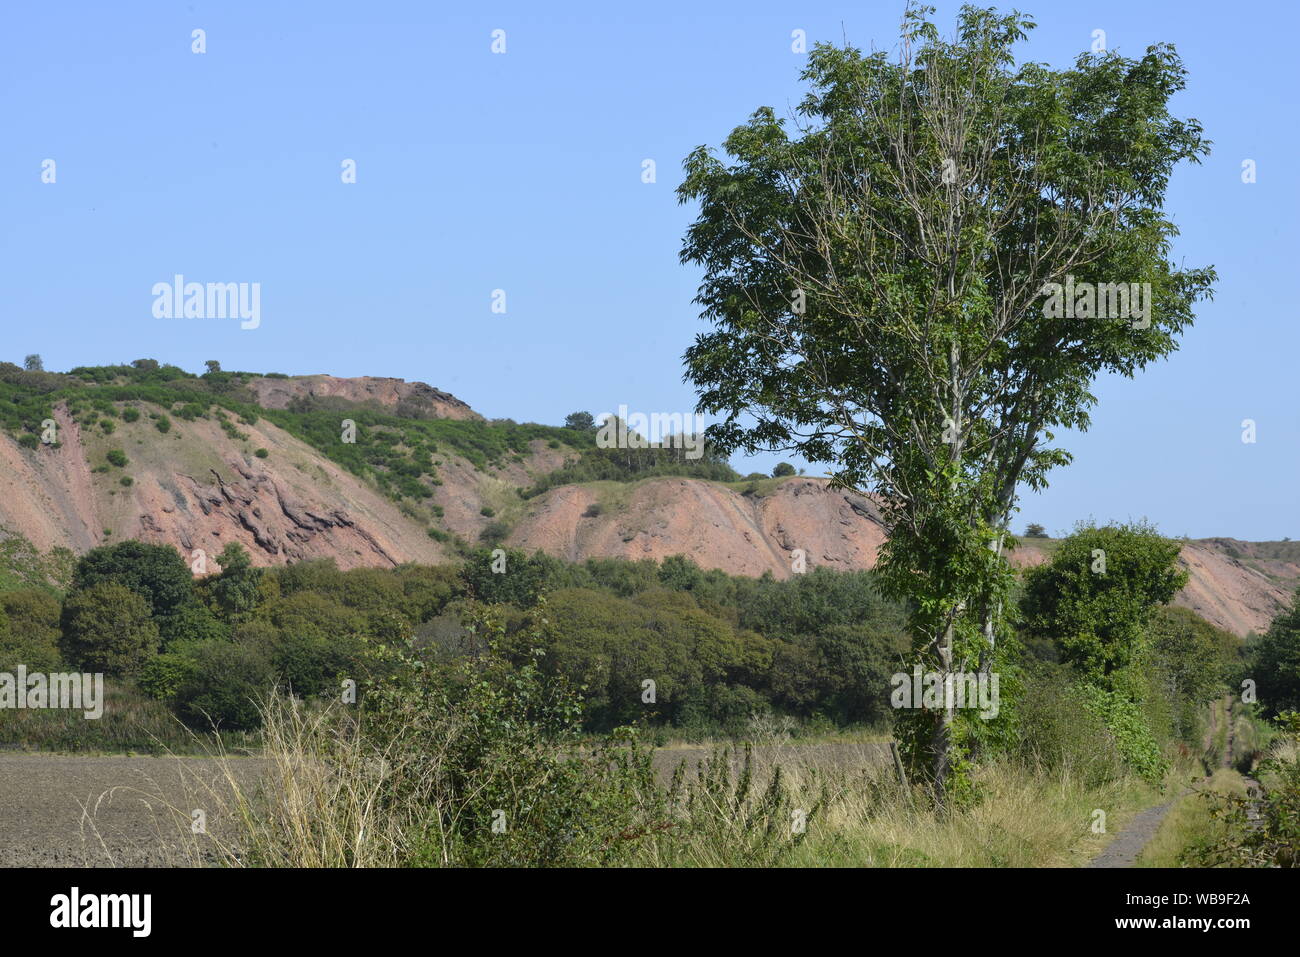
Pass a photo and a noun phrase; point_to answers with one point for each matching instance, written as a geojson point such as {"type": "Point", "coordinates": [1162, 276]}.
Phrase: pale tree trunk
{"type": "Point", "coordinates": [941, 740]}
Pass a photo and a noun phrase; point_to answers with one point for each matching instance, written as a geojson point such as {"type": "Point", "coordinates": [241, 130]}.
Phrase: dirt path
{"type": "Point", "coordinates": [1128, 845]}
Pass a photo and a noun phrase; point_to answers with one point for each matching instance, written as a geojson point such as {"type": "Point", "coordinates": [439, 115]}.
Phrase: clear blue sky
{"type": "Point", "coordinates": [523, 172]}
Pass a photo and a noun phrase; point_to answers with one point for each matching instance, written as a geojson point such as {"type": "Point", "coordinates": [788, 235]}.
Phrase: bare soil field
{"type": "Point", "coordinates": [835, 755]}
{"type": "Point", "coordinates": [105, 811]}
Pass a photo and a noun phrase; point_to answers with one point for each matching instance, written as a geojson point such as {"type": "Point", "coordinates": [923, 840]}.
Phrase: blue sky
{"type": "Point", "coordinates": [522, 172]}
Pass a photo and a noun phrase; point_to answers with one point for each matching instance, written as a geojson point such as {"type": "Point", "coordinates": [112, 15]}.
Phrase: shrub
{"type": "Point", "coordinates": [261, 453]}
{"type": "Point", "coordinates": [29, 630]}
{"type": "Point", "coordinates": [1275, 662]}
{"type": "Point", "coordinates": [107, 628]}
{"type": "Point", "coordinates": [1096, 596]}
{"type": "Point", "coordinates": [163, 424]}
{"type": "Point", "coordinates": [130, 414]}
{"type": "Point", "coordinates": [116, 457]}
{"type": "Point", "coordinates": [224, 686]}
{"type": "Point", "coordinates": [1133, 737]}
{"type": "Point", "coordinates": [1057, 730]}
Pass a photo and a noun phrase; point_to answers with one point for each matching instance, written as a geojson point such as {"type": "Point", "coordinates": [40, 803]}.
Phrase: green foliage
{"type": "Point", "coordinates": [580, 422]}
{"type": "Point", "coordinates": [222, 685]}
{"type": "Point", "coordinates": [1275, 662]}
{"type": "Point", "coordinates": [782, 469]}
{"type": "Point", "coordinates": [116, 457]}
{"type": "Point", "coordinates": [513, 578]}
{"type": "Point", "coordinates": [107, 628]}
{"type": "Point", "coordinates": [635, 463]}
{"type": "Point", "coordinates": [237, 589]}
{"type": "Point", "coordinates": [163, 424]}
{"type": "Point", "coordinates": [261, 453]}
{"type": "Point", "coordinates": [502, 742]}
{"type": "Point", "coordinates": [29, 630]}
{"type": "Point", "coordinates": [1132, 735]}
{"type": "Point", "coordinates": [1262, 830]}
{"type": "Point", "coordinates": [1098, 594]}
{"type": "Point", "coordinates": [1057, 728]}
{"type": "Point", "coordinates": [1189, 662]}
{"type": "Point", "coordinates": [155, 572]}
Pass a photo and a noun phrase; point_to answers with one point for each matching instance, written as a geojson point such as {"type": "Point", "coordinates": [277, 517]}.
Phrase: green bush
{"type": "Point", "coordinates": [116, 457]}
{"type": "Point", "coordinates": [1058, 730]}
{"type": "Point", "coordinates": [1134, 740]}
{"type": "Point", "coordinates": [225, 686]}
{"type": "Point", "coordinates": [107, 628]}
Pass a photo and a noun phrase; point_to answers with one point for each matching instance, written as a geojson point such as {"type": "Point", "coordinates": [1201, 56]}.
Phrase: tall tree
{"type": "Point", "coordinates": [878, 286]}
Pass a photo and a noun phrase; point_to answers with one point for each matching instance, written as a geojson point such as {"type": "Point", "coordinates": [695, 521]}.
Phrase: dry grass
{"type": "Point", "coordinates": [324, 799]}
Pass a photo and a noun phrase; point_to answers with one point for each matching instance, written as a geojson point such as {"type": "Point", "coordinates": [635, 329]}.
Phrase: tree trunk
{"type": "Point", "coordinates": [941, 741]}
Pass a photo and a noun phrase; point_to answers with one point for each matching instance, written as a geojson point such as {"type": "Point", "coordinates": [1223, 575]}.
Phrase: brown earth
{"type": "Point", "coordinates": [276, 393]}
{"type": "Point", "coordinates": [715, 524]}
{"type": "Point", "coordinates": [114, 810]}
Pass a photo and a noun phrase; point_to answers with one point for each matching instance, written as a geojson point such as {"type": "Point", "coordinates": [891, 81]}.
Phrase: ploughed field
{"type": "Point", "coordinates": [103, 811]}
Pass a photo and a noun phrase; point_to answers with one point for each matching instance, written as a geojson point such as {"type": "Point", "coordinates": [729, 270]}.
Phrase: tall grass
{"type": "Point", "coordinates": [329, 795]}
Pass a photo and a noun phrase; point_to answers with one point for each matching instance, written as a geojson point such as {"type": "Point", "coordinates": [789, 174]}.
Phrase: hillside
{"type": "Point", "coordinates": [259, 460]}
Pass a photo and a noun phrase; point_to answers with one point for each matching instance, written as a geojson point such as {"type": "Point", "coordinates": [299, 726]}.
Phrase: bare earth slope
{"type": "Point", "coordinates": [715, 524]}
{"type": "Point", "coordinates": [195, 487]}
{"type": "Point", "coordinates": [277, 393]}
